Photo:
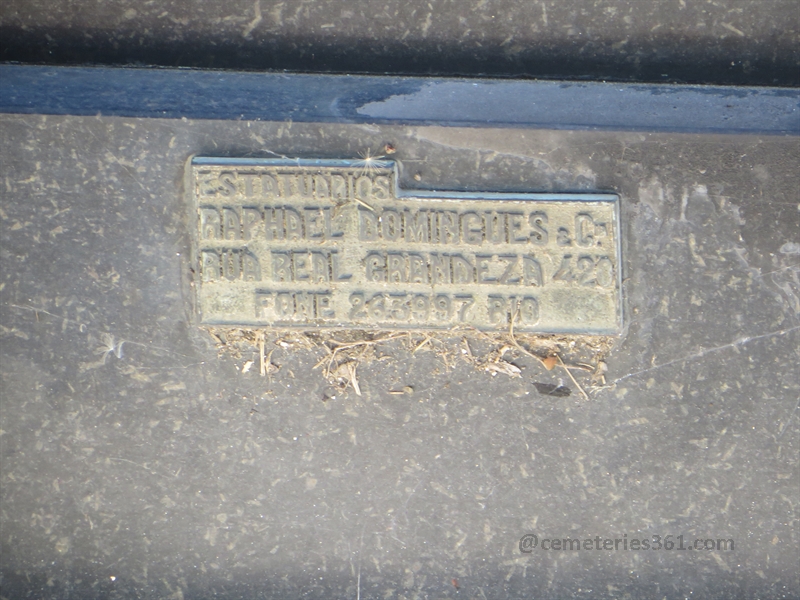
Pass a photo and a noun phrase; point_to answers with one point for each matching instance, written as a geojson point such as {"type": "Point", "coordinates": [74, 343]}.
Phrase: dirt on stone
{"type": "Point", "coordinates": [339, 354]}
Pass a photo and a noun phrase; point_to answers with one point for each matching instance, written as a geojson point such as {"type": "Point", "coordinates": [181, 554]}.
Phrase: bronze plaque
{"type": "Point", "coordinates": [336, 244]}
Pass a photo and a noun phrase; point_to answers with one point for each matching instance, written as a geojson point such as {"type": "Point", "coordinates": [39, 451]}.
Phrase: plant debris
{"type": "Point", "coordinates": [342, 354]}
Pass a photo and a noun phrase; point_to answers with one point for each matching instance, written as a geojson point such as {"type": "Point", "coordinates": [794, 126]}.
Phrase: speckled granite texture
{"type": "Point", "coordinates": [162, 470]}
{"type": "Point", "coordinates": [137, 462]}
{"type": "Point", "coordinates": [689, 41]}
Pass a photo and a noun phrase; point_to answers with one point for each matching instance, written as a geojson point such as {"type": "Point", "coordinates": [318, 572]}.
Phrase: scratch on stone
{"type": "Point", "coordinates": [426, 25]}
{"type": "Point", "coordinates": [730, 27]}
{"type": "Point", "coordinates": [702, 353]}
{"type": "Point", "coordinates": [684, 204]}
{"type": "Point", "coordinates": [788, 421]}
{"type": "Point", "coordinates": [360, 551]}
{"type": "Point", "coordinates": [254, 23]}
{"type": "Point", "coordinates": [693, 249]}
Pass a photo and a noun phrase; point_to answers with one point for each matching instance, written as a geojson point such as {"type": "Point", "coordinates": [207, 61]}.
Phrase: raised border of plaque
{"type": "Point", "coordinates": [337, 244]}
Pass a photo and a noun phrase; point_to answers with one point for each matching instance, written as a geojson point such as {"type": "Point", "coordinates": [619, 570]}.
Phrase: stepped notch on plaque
{"type": "Point", "coordinates": [337, 244]}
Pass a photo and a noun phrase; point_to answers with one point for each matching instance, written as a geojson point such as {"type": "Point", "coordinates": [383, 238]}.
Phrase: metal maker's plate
{"type": "Point", "coordinates": [332, 244]}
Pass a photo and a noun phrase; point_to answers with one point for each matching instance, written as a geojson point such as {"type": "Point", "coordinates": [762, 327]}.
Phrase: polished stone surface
{"type": "Point", "coordinates": [739, 42]}
{"type": "Point", "coordinates": [137, 462]}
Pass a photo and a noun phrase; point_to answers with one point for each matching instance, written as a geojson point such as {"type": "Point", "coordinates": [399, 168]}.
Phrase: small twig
{"type": "Point", "coordinates": [353, 377]}
{"type": "Point", "coordinates": [342, 345]}
{"type": "Point", "coordinates": [345, 345]}
{"type": "Point", "coordinates": [583, 367]}
{"type": "Point", "coordinates": [421, 344]}
{"type": "Point", "coordinates": [575, 381]}
{"type": "Point", "coordinates": [330, 363]}
{"type": "Point", "coordinates": [364, 204]}
{"type": "Point", "coordinates": [324, 358]}
{"type": "Point", "coordinates": [261, 353]}
{"type": "Point", "coordinates": [518, 345]}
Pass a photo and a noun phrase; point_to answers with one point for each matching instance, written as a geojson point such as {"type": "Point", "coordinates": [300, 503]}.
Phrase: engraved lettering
{"type": "Point", "coordinates": [398, 308]}
{"type": "Point", "coordinates": [531, 271]}
{"type": "Point", "coordinates": [466, 302]}
{"type": "Point", "coordinates": [321, 188]}
{"type": "Point", "coordinates": [315, 223]}
{"type": "Point", "coordinates": [300, 306]}
{"type": "Point", "coordinates": [471, 228]}
{"type": "Point", "coordinates": [515, 233]}
{"type": "Point", "coordinates": [440, 269]}
{"type": "Point", "coordinates": [300, 266]}
{"type": "Point", "coordinates": [420, 308]}
{"type": "Point", "coordinates": [263, 301]}
{"type": "Point", "coordinates": [395, 268]}
{"type": "Point", "coordinates": [381, 188]}
{"type": "Point", "coordinates": [497, 310]}
{"type": "Point", "coordinates": [231, 227]}
{"type": "Point", "coordinates": [604, 272]}
{"type": "Point", "coordinates": [510, 274]}
{"type": "Point", "coordinates": [448, 227]}
{"type": "Point", "coordinates": [211, 266]}
{"type": "Point", "coordinates": [342, 247]}
{"type": "Point", "coordinates": [417, 226]}
{"type": "Point", "coordinates": [357, 306]}
{"type": "Point", "coordinates": [584, 230]}
{"type": "Point", "coordinates": [284, 305]}
{"type": "Point", "coordinates": [210, 224]}
{"type": "Point", "coordinates": [281, 266]}
{"type": "Point", "coordinates": [338, 187]}
{"type": "Point", "coordinates": [463, 270]}
{"type": "Point", "coordinates": [417, 269]}
{"type": "Point", "coordinates": [251, 268]}
{"type": "Point", "coordinates": [443, 307]}
{"type": "Point", "coordinates": [528, 311]}
{"type": "Point", "coordinates": [483, 262]}
{"type": "Point", "coordinates": [537, 221]}
{"type": "Point", "coordinates": [324, 308]}
{"type": "Point", "coordinates": [231, 265]}
{"type": "Point", "coordinates": [564, 272]}
{"type": "Point", "coordinates": [585, 271]}
{"type": "Point", "coordinates": [320, 268]}
{"type": "Point", "coordinates": [376, 267]}
{"type": "Point", "coordinates": [376, 307]}
{"type": "Point", "coordinates": [305, 184]}
{"type": "Point", "coordinates": [332, 225]}
{"type": "Point", "coordinates": [391, 228]}
{"type": "Point", "coordinates": [249, 183]}
{"type": "Point", "coordinates": [273, 223]}
{"type": "Point", "coordinates": [285, 184]}
{"type": "Point", "coordinates": [206, 183]}
{"type": "Point", "coordinates": [227, 184]}
{"type": "Point", "coordinates": [495, 227]}
{"type": "Point", "coordinates": [269, 186]}
{"type": "Point", "coordinates": [252, 223]}
{"type": "Point", "coordinates": [363, 188]}
{"type": "Point", "coordinates": [367, 226]}
{"type": "Point", "coordinates": [294, 225]}
{"type": "Point", "coordinates": [303, 305]}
